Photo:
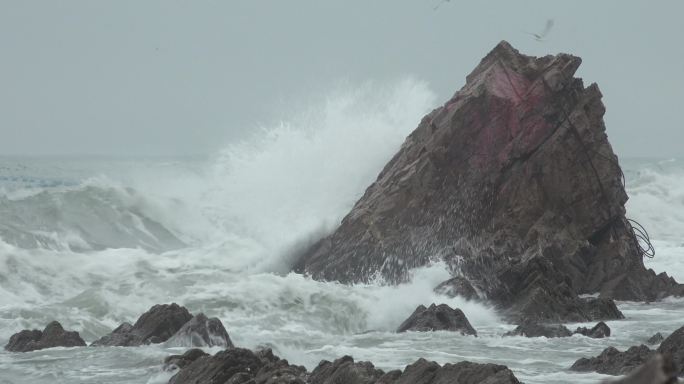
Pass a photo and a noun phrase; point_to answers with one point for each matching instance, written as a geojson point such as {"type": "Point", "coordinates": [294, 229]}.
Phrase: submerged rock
{"type": "Point", "coordinates": [437, 318]}
{"type": "Point", "coordinates": [656, 339]}
{"type": "Point", "coordinates": [514, 184]}
{"type": "Point", "coordinates": [52, 336]}
{"type": "Point", "coordinates": [613, 362]}
{"type": "Point", "coordinates": [532, 329]}
{"type": "Point", "coordinates": [659, 369]}
{"type": "Point", "coordinates": [201, 331]}
{"type": "Point", "coordinates": [154, 326]}
{"type": "Point", "coordinates": [599, 331]}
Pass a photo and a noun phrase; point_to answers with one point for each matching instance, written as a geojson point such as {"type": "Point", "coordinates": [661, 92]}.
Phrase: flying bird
{"type": "Point", "coordinates": [440, 3]}
{"type": "Point", "coordinates": [540, 36]}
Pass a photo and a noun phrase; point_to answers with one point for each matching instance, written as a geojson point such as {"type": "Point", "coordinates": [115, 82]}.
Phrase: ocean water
{"type": "Point", "coordinates": [94, 241]}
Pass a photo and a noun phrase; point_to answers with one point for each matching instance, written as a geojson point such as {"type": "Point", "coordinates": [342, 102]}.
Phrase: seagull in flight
{"type": "Point", "coordinates": [542, 35]}
{"type": "Point", "coordinates": [440, 4]}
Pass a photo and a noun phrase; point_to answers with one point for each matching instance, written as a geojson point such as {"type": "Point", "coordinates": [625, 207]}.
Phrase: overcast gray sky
{"type": "Point", "coordinates": [186, 77]}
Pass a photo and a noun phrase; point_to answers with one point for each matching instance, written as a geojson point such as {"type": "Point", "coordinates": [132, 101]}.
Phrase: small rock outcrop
{"type": "Point", "coordinates": [533, 329]}
{"type": "Point", "coordinates": [345, 370]}
{"type": "Point", "coordinates": [613, 362]}
{"type": "Point", "coordinates": [429, 372]}
{"type": "Point", "coordinates": [655, 339]}
{"type": "Point", "coordinates": [237, 366]}
{"type": "Point", "coordinates": [659, 369]}
{"type": "Point", "coordinates": [514, 184]}
{"type": "Point", "coordinates": [52, 336]}
{"type": "Point", "coordinates": [673, 346]}
{"type": "Point", "coordinates": [437, 318]}
{"type": "Point", "coordinates": [458, 286]}
{"type": "Point", "coordinates": [201, 331]}
{"type": "Point", "coordinates": [181, 361]}
{"type": "Point", "coordinates": [154, 326]}
{"type": "Point", "coordinates": [599, 331]}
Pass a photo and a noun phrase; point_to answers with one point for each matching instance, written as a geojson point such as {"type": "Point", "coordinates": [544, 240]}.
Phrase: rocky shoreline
{"type": "Point", "coordinates": [173, 325]}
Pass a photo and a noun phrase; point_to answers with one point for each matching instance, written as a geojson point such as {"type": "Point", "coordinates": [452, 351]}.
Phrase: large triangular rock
{"type": "Point", "coordinates": [514, 184]}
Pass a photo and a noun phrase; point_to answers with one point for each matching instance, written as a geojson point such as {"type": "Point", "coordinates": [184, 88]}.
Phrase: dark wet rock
{"type": "Point", "coordinates": [241, 366]}
{"type": "Point", "coordinates": [201, 331]}
{"type": "Point", "coordinates": [429, 372]}
{"type": "Point", "coordinates": [180, 361]}
{"type": "Point", "coordinates": [673, 346]}
{"type": "Point", "coordinates": [52, 336]}
{"type": "Point", "coordinates": [532, 329]}
{"type": "Point", "coordinates": [437, 318]}
{"type": "Point", "coordinates": [613, 362]}
{"type": "Point", "coordinates": [660, 369]}
{"type": "Point", "coordinates": [238, 365]}
{"type": "Point", "coordinates": [458, 286]}
{"type": "Point", "coordinates": [154, 326]}
{"type": "Point", "coordinates": [599, 331]}
{"type": "Point", "coordinates": [514, 184]}
{"type": "Point", "coordinates": [655, 339]}
{"type": "Point", "coordinates": [345, 370]}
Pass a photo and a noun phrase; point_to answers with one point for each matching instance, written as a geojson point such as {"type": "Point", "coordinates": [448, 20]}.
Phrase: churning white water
{"type": "Point", "coordinates": [93, 242]}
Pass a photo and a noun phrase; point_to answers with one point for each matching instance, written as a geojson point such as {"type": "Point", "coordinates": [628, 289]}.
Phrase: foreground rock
{"type": "Point", "coordinates": [673, 346]}
{"type": "Point", "coordinates": [599, 331]}
{"type": "Point", "coordinates": [237, 365]}
{"type": "Point", "coordinates": [613, 362]}
{"type": "Point", "coordinates": [437, 318]}
{"type": "Point", "coordinates": [465, 372]}
{"type": "Point", "coordinates": [201, 331]}
{"type": "Point", "coordinates": [345, 370]}
{"type": "Point", "coordinates": [154, 326]}
{"type": "Point", "coordinates": [514, 184]}
{"type": "Point", "coordinates": [532, 329]}
{"type": "Point", "coordinates": [52, 336]}
{"type": "Point", "coordinates": [659, 369]}
{"type": "Point", "coordinates": [181, 361]}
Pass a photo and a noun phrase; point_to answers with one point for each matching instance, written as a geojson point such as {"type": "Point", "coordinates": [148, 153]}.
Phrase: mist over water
{"type": "Point", "coordinates": [95, 242]}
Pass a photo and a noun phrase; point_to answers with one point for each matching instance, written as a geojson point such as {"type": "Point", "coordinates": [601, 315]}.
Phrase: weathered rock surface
{"type": "Point", "coordinates": [237, 365]}
{"type": "Point", "coordinates": [599, 331]}
{"type": "Point", "coordinates": [345, 370]}
{"type": "Point", "coordinates": [658, 370]}
{"type": "Point", "coordinates": [532, 329]}
{"type": "Point", "coordinates": [458, 286]}
{"type": "Point", "coordinates": [613, 362]}
{"type": "Point", "coordinates": [513, 182]}
{"type": "Point", "coordinates": [181, 361]}
{"type": "Point", "coordinates": [52, 336]}
{"type": "Point", "coordinates": [429, 372]}
{"type": "Point", "coordinates": [437, 318]}
{"type": "Point", "coordinates": [673, 346]}
{"type": "Point", "coordinates": [154, 326]}
{"type": "Point", "coordinates": [655, 339]}
{"type": "Point", "coordinates": [201, 331]}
